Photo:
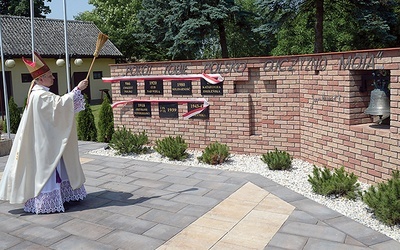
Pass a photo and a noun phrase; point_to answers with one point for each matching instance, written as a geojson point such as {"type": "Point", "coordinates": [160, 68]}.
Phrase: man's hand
{"type": "Point", "coordinates": [83, 84]}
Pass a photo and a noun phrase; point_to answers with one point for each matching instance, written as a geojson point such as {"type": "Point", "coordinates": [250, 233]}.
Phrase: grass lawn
{"type": "Point", "coordinates": [96, 111]}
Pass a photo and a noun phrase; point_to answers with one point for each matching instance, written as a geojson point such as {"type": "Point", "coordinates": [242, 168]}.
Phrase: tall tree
{"type": "Point", "coordinates": [319, 27]}
{"type": "Point", "coordinates": [192, 29]}
{"type": "Point", "coordinates": [272, 15]}
{"type": "Point", "coordinates": [376, 21]}
{"type": "Point", "coordinates": [22, 8]}
{"type": "Point", "coordinates": [186, 28]}
{"type": "Point", "coordinates": [241, 39]}
{"type": "Point", "coordinates": [396, 28]}
{"type": "Point", "coordinates": [347, 24]}
{"type": "Point", "coordinates": [117, 19]}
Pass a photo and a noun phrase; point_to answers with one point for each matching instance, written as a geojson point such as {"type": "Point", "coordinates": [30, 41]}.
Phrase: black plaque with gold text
{"type": "Point", "coordinates": [168, 109]}
{"type": "Point", "coordinates": [211, 89]}
{"type": "Point", "coordinates": [128, 87]}
{"type": "Point", "coordinates": [205, 114]}
{"type": "Point", "coordinates": [142, 109]}
{"type": "Point", "coordinates": [153, 87]}
{"type": "Point", "coordinates": [181, 87]}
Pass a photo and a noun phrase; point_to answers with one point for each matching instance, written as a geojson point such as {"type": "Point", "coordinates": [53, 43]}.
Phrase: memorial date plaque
{"type": "Point", "coordinates": [168, 109]}
{"type": "Point", "coordinates": [128, 87]}
{"type": "Point", "coordinates": [142, 109]}
{"type": "Point", "coordinates": [205, 114]}
{"type": "Point", "coordinates": [211, 89]}
{"type": "Point", "coordinates": [153, 87]}
{"type": "Point", "coordinates": [181, 87]}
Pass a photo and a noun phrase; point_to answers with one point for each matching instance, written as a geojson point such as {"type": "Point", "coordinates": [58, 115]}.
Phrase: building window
{"type": "Point", "coordinates": [97, 74]}
{"type": "Point", "coordinates": [26, 78]}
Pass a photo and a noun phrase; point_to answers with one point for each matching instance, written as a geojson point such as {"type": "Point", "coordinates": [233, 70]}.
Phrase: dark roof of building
{"type": "Point", "coordinates": [49, 38]}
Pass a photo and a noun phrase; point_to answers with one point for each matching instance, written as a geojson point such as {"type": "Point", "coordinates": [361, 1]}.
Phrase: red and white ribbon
{"type": "Point", "coordinates": [194, 112]}
{"type": "Point", "coordinates": [210, 78]}
{"type": "Point", "coordinates": [185, 116]}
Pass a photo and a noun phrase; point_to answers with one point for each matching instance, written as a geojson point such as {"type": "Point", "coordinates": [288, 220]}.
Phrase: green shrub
{"type": "Point", "coordinates": [15, 116]}
{"type": "Point", "coordinates": [172, 147]}
{"type": "Point", "coordinates": [125, 142]}
{"type": "Point", "coordinates": [106, 121]}
{"type": "Point", "coordinates": [87, 130]}
{"type": "Point", "coordinates": [277, 160]}
{"type": "Point", "coordinates": [339, 183]}
{"type": "Point", "coordinates": [215, 153]}
{"type": "Point", "coordinates": [385, 200]}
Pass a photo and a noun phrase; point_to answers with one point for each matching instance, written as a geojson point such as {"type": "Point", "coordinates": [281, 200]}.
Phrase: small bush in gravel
{"type": "Point", "coordinates": [215, 153]}
{"type": "Point", "coordinates": [174, 148]}
{"type": "Point", "coordinates": [125, 142]}
{"type": "Point", "coordinates": [384, 200]}
{"type": "Point", "coordinates": [338, 183]}
{"type": "Point", "coordinates": [277, 160]}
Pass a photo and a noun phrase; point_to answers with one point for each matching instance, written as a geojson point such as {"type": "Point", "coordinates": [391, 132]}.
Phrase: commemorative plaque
{"type": "Point", "coordinates": [211, 89]}
{"type": "Point", "coordinates": [168, 109]}
{"type": "Point", "coordinates": [128, 87]}
{"type": "Point", "coordinates": [181, 87]}
{"type": "Point", "coordinates": [153, 87]}
{"type": "Point", "coordinates": [205, 114]}
{"type": "Point", "coordinates": [142, 109]}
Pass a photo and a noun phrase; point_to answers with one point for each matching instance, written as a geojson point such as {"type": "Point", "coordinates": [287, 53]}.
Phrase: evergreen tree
{"type": "Point", "coordinates": [86, 126]}
{"type": "Point", "coordinates": [241, 39]}
{"type": "Point", "coordinates": [184, 28]}
{"type": "Point", "coordinates": [106, 121]}
{"type": "Point", "coordinates": [189, 29]}
{"type": "Point", "coordinates": [15, 115]}
{"type": "Point", "coordinates": [296, 26]}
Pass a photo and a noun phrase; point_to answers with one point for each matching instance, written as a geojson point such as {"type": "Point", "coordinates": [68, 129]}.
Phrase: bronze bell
{"type": "Point", "coordinates": [379, 104]}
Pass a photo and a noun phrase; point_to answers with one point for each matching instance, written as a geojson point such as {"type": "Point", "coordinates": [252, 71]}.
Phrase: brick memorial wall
{"type": "Point", "coordinates": [309, 105]}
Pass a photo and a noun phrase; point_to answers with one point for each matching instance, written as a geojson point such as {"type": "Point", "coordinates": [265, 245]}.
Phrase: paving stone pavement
{"type": "Point", "coordinates": [135, 204]}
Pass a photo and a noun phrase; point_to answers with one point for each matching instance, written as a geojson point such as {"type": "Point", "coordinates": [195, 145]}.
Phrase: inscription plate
{"type": "Point", "coordinates": [205, 114]}
{"type": "Point", "coordinates": [211, 89]}
{"type": "Point", "coordinates": [168, 109]}
{"type": "Point", "coordinates": [153, 87]}
{"type": "Point", "coordinates": [128, 87]}
{"type": "Point", "coordinates": [181, 87]}
{"type": "Point", "coordinates": [142, 109]}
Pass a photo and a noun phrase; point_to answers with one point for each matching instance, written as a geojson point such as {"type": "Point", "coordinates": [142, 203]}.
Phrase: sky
{"type": "Point", "coordinates": [73, 8]}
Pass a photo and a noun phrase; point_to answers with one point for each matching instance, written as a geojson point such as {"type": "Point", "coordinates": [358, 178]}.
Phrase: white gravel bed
{"type": "Point", "coordinates": [296, 179]}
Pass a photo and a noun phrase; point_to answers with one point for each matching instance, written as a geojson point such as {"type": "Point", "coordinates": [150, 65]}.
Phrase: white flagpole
{"type": "Point", "coordinates": [32, 30]}
{"type": "Point", "coordinates": [3, 71]}
{"type": "Point", "coordinates": [66, 47]}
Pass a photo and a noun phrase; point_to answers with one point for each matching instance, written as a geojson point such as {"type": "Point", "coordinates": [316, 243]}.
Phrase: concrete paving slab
{"type": "Point", "coordinates": [169, 199]}
{"type": "Point", "coordinates": [316, 244]}
{"type": "Point", "coordinates": [8, 240]}
{"type": "Point", "coordinates": [316, 231]}
{"type": "Point", "coordinates": [357, 230]}
{"type": "Point", "coordinates": [288, 241]}
{"type": "Point", "coordinates": [127, 240]}
{"type": "Point", "coordinates": [75, 242]}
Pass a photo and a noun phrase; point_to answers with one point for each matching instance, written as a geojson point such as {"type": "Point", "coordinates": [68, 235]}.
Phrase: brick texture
{"type": "Point", "coordinates": [309, 105]}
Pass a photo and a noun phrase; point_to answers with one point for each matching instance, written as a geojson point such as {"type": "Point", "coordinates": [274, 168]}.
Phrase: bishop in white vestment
{"type": "Point", "coordinates": [43, 169]}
